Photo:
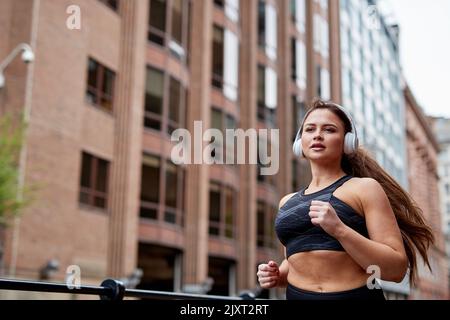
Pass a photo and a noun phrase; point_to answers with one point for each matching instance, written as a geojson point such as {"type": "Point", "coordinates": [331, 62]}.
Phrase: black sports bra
{"type": "Point", "coordinates": [295, 230]}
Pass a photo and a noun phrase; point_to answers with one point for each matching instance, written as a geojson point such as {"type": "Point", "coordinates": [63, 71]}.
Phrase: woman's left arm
{"type": "Point", "coordinates": [385, 247]}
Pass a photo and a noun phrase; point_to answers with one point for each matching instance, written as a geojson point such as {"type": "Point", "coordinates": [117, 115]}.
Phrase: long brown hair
{"type": "Point", "coordinates": [416, 234]}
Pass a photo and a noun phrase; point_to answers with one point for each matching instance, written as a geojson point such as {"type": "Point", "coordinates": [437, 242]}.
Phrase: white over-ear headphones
{"type": "Point", "coordinates": [351, 141]}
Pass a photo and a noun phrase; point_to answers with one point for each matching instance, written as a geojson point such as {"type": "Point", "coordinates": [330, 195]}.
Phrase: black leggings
{"type": "Point", "coordinates": [362, 293]}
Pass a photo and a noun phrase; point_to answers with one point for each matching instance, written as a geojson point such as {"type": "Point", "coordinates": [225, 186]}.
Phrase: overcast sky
{"type": "Point", "coordinates": [425, 50]}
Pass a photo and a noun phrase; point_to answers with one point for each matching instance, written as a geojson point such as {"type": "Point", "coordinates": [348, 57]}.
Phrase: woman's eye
{"type": "Point", "coordinates": [308, 129]}
{"type": "Point", "coordinates": [329, 130]}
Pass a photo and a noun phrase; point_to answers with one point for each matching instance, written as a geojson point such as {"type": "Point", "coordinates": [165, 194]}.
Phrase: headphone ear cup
{"type": "Point", "coordinates": [350, 143]}
{"type": "Point", "coordinates": [297, 147]}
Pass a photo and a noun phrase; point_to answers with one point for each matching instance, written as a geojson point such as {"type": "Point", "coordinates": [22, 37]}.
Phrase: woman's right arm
{"type": "Point", "coordinates": [269, 274]}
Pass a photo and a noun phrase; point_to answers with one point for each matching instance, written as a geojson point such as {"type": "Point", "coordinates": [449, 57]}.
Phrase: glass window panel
{"type": "Point", "coordinates": [261, 24]}
{"type": "Point", "coordinates": [325, 84]}
{"type": "Point", "coordinates": [261, 85]}
{"type": "Point", "coordinates": [271, 32]}
{"type": "Point", "coordinates": [158, 14]}
{"type": "Point", "coordinates": [271, 88]}
{"type": "Point", "coordinates": [149, 213]}
{"type": "Point", "coordinates": [92, 73]}
{"type": "Point", "coordinates": [152, 123]}
{"type": "Point", "coordinates": [154, 91]}
{"type": "Point", "coordinates": [300, 58]}
{"type": "Point", "coordinates": [86, 167]}
{"type": "Point", "coordinates": [108, 82]}
{"type": "Point", "coordinates": [216, 122]}
{"type": "Point", "coordinates": [100, 202]}
{"type": "Point", "coordinates": [232, 10]}
{"type": "Point", "coordinates": [174, 100]}
{"type": "Point", "coordinates": [214, 203]}
{"type": "Point", "coordinates": [170, 217]}
{"type": "Point", "coordinates": [84, 197]}
{"type": "Point", "coordinates": [150, 179]}
{"type": "Point", "coordinates": [102, 174]}
{"type": "Point", "coordinates": [300, 12]}
{"type": "Point", "coordinates": [177, 21]}
{"type": "Point", "coordinates": [231, 64]}
{"type": "Point", "coordinates": [171, 185]}
{"type": "Point", "coordinates": [217, 58]}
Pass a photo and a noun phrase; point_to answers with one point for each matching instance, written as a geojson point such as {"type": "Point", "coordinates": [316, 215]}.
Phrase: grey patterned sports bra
{"type": "Point", "coordinates": [295, 230]}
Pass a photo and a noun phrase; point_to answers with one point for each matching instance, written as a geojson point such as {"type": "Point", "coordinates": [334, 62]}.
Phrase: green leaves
{"type": "Point", "coordinates": [11, 139]}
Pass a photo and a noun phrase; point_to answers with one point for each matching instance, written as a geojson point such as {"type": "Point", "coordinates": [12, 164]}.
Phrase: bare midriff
{"type": "Point", "coordinates": [325, 271]}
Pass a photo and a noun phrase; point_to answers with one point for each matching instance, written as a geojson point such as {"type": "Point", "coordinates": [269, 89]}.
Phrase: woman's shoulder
{"type": "Point", "coordinates": [365, 182]}
{"type": "Point", "coordinates": [364, 186]}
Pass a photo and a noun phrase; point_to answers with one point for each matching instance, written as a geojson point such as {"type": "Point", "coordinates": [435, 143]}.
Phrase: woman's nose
{"type": "Point", "coordinates": [317, 136]}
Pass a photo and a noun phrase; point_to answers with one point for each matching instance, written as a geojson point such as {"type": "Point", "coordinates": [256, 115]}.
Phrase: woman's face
{"type": "Point", "coordinates": [323, 136]}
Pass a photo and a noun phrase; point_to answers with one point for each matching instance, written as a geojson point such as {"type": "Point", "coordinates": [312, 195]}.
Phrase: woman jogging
{"type": "Point", "coordinates": [352, 221]}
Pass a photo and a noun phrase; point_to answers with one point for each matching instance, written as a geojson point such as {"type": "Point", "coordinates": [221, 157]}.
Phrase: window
{"type": "Point", "coordinates": [298, 10]}
{"type": "Point", "coordinates": [154, 96]}
{"type": "Point", "coordinates": [174, 194]}
{"type": "Point", "coordinates": [217, 58]}
{"type": "Point", "coordinates": [100, 86]}
{"type": "Point", "coordinates": [447, 189]}
{"type": "Point", "coordinates": [298, 63]}
{"type": "Point", "coordinates": [113, 4]}
{"type": "Point", "coordinates": [323, 83]}
{"type": "Point", "coordinates": [150, 182]}
{"type": "Point", "coordinates": [321, 35]}
{"type": "Point", "coordinates": [94, 181]}
{"type": "Point", "coordinates": [176, 98]}
{"type": "Point", "coordinates": [222, 208]}
{"type": "Point", "coordinates": [265, 216]}
{"type": "Point", "coordinates": [231, 8]}
{"type": "Point", "coordinates": [267, 29]}
{"type": "Point", "coordinates": [323, 3]}
{"type": "Point", "coordinates": [160, 173]}
{"type": "Point", "coordinates": [155, 102]}
{"type": "Point", "coordinates": [222, 121]}
{"type": "Point", "coordinates": [168, 25]}
{"type": "Point", "coordinates": [317, 32]}
{"type": "Point", "coordinates": [225, 62]}
{"type": "Point", "coordinates": [267, 95]}
{"type": "Point", "coordinates": [345, 40]}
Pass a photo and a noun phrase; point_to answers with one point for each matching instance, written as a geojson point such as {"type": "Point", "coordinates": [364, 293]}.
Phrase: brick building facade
{"type": "Point", "coordinates": [102, 102]}
{"type": "Point", "coordinates": [423, 186]}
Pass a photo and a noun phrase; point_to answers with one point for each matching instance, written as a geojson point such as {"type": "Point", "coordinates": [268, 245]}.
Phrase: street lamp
{"type": "Point", "coordinates": [27, 57]}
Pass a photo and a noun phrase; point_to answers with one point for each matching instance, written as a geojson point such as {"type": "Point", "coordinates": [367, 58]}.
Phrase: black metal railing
{"type": "Point", "coordinates": [110, 289]}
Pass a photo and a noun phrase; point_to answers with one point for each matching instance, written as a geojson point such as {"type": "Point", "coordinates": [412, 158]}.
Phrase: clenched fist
{"type": "Point", "coordinates": [268, 275]}
{"type": "Point", "coordinates": [323, 214]}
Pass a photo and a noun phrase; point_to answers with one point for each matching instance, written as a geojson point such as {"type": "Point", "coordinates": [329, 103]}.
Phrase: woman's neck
{"type": "Point", "coordinates": [324, 175]}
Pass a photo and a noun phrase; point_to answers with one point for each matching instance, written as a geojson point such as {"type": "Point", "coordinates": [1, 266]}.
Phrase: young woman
{"type": "Point", "coordinates": [352, 223]}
